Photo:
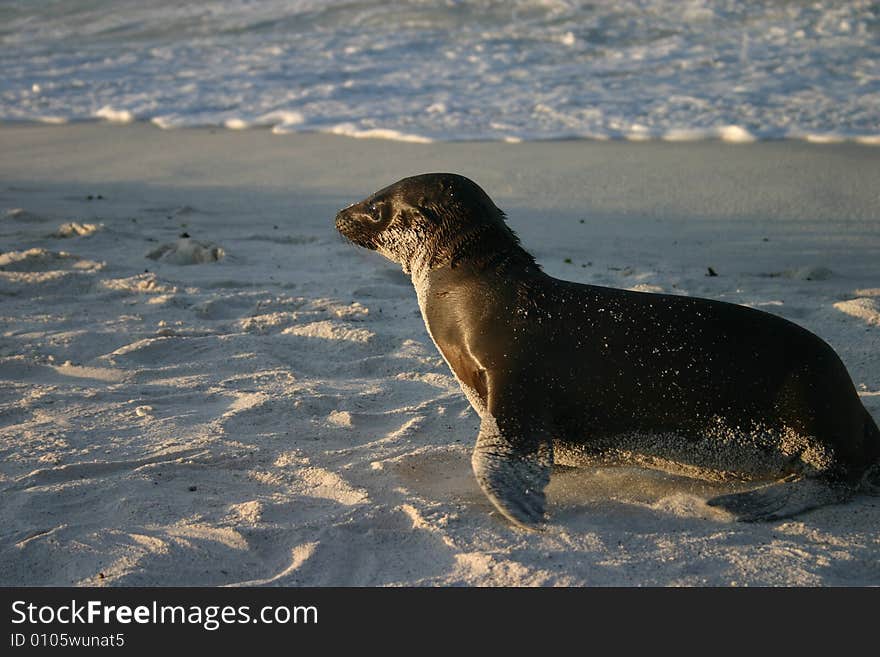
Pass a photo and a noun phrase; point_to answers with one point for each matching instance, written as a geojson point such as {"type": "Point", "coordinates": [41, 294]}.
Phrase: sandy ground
{"type": "Point", "coordinates": [279, 416]}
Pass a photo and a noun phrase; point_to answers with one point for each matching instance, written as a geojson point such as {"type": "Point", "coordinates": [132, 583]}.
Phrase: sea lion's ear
{"type": "Point", "coordinates": [429, 213]}
{"type": "Point", "coordinates": [428, 208]}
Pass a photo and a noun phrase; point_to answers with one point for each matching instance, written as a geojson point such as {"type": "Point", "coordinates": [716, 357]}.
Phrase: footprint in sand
{"type": "Point", "coordinates": [865, 308]}
{"type": "Point", "coordinates": [146, 283]}
{"type": "Point", "coordinates": [76, 229]}
{"type": "Point", "coordinates": [43, 260]}
{"type": "Point", "coordinates": [802, 274]}
{"type": "Point", "coordinates": [331, 331]}
{"type": "Point", "coordinates": [187, 251]}
{"type": "Point", "coordinates": [176, 211]}
{"type": "Point", "coordinates": [54, 272]}
{"type": "Point", "coordinates": [292, 240]}
{"type": "Point", "coordinates": [20, 214]}
{"type": "Point", "coordinates": [647, 287]}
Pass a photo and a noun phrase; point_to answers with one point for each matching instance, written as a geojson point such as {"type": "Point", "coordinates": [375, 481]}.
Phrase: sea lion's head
{"type": "Point", "coordinates": [430, 220]}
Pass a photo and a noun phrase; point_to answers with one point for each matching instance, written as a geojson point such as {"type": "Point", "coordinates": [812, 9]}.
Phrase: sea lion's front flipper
{"type": "Point", "coordinates": [783, 499]}
{"type": "Point", "coordinates": [513, 469]}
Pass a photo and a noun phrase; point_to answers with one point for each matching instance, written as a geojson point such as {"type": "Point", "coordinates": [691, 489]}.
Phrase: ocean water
{"type": "Point", "coordinates": [452, 70]}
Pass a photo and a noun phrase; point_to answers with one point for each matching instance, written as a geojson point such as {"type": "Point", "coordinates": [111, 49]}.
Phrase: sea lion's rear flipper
{"type": "Point", "coordinates": [783, 499]}
{"type": "Point", "coordinates": [513, 473]}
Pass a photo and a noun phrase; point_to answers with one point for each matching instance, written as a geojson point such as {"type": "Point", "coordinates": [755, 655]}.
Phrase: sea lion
{"type": "Point", "coordinates": [703, 387]}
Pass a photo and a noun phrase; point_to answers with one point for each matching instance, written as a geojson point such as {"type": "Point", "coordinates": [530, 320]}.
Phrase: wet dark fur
{"type": "Point", "coordinates": [555, 362]}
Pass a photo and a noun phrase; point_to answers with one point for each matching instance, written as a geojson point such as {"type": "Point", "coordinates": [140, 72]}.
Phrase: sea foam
{"type": "Point", "coordinates": [420, 71]}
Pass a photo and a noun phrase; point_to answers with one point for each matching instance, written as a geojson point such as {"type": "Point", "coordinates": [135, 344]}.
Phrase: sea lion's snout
{"type": "Point", "coordinates": [343, 220]}
{"type": "Point", "coordinates": [357, 224]}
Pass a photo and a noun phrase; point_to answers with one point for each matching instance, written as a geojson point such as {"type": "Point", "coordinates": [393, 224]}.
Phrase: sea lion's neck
{"type": "Point", "coordinates": [488, 247]}
{"type": "Point", "coordinates": [465, 304]}
{"type": "Point", "coordinates": [499, 270]}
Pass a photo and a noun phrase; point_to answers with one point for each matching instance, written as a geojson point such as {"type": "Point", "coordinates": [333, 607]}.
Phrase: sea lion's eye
{"type": "Point", "coordinates": [378, 212]}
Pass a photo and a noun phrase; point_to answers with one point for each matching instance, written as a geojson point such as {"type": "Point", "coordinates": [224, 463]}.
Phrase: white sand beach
{"type": "Point", "coordinates": [259, 403]}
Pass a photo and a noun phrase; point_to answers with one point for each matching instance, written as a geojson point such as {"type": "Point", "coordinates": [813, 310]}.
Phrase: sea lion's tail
{"type": "Point", "coordinates": [871, 478]}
